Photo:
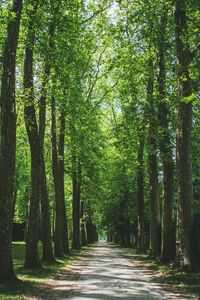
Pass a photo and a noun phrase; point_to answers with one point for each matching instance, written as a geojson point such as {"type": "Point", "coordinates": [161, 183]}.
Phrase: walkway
{"type": "Point", "coordinates": [108, 273]}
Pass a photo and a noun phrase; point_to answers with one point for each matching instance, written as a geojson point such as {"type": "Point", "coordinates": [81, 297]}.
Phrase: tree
{"type": "Point", "coordinates": [165, 146]}
{"type": "Point", "coordinates": [152, 165]}
{"type": "Point", "coordinates": [184, 125]}
{"type": "Point", "coordinates": [8, 142]}
{"type": "Point", "coordinates": [76, 243]}
{"type": "Point", "coordinates": [61, 150]}
{"type": "Point", "coordinates": [44, 198]}
{"type": "Point", "coordinates": [59, 250]}
{"type": "Point", "coordinates": [140, 193]}
{"type": "Point", "coordinates": [32, 256]}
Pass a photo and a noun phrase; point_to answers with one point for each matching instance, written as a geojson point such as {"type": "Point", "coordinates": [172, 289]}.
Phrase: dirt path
{"type": "Point", "coordinates": [107, 273]}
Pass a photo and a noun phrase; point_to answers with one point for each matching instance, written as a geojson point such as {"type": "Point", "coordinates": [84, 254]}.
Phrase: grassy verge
{"type": "Point", "coordinates": [189, 281]}
{"type": "Point", "coordinates": [32, 279]}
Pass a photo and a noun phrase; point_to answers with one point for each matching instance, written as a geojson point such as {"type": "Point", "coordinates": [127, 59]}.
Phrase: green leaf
{"type": "Point", "coordinates": [188, 99]}
{"type": "Point", "coordinates": [13, 14]}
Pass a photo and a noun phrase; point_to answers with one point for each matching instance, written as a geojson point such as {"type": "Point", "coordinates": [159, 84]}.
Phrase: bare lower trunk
{"type": "Point", "coordinates": [45, 210]}
{"type": "Point", "coordinates": [127, 234]}
{"type": "Point", "coordinates": [91, 232]}
{"type": "Point", "coordinates": [61, 151]}
{"type": "Point", "coordinates": [140, 195]}
{"type": "Point", "coordinates": [83, 234]}
{"type": "Point", "coordinates": [8, 144]}
{"type": "Point", "coordinates": [32, 255]}
{"type": "Point", "coordinates": [83, 226]}
{"type": "Point", "coordinates": [58, 241]}
{"type": "Point", "coordinates": [168, 240]}
{"type": "Point", "coordinates": [76, 206]}
{"type": "Point", "coordinates": [154, 203]}
{"type": "Point", "coordinates": [47, 254]}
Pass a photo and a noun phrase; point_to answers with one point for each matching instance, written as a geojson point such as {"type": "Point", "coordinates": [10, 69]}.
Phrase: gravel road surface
{"type": "Point", "coordinates": [108, 273]}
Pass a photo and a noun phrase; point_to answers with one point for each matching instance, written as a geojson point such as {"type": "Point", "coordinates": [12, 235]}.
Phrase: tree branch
{"type": "Point", "coordinates": [96, 13]}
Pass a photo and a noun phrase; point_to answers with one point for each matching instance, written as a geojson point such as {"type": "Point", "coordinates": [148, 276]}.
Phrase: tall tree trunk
{"type": "Point", "coordinates": [75, 205]}
{"type": "Point", "coordinates": [153, 169]}
{"type": "Point", "coordinates": [46, 220]}
{"type": "Point", "coordinates": [8, 143]}
{"type": "Point", "coordinates": [31, 254]}
{"type": "Point", "coordinates": [165, 149]}
{"type": "Point", "coordinates": [92, 232]}
{"type": "Point", "coordinates": [121, 223]}
{"type": "Point", "coordinates": [140, 194]}
{"type": "Point", "coordinates": [184, 125]}
{"type": "Point", "coordinates": [127, 218]}
{"type": "Point", "coordinates": [123, 219]}
{"type": "Point", "coordinates": [127, 234]}
{"type": "Point", "coordinates": [56, 175]}
{"type": "Point", "coordinates": [83, 226]}
{"type": "Point", "coordinates": [45, 210]}
{"type": "Point", "coordinates": [61, 151]}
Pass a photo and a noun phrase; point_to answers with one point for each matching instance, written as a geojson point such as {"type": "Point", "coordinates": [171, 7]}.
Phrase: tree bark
{"type": "Point", "coordinates": [83, 226]}
{"type": "Point", "coordinates": [56, 176]}
{"type": "Point", "coordinates": [127, 234]}
{"type": "Point", "coordinates": [140, 194]}
{"type": "Point", "coordinates": [91, 231]}
{"type": "Point", "coordinates": [61, 151]}
{"type": "Point", "coordinates": [165, 149]}
{"type": "Point", "coordinates": [75, 205]}
{"type": "Point", "coordinates": [184, 125]}
{"type": "Point", "coordinates": [8, 143]}
{"type": "Point", "coordinates": [123, 229]}
{"type": "Point", "coordinates": [45, 210]}
{"type": "Point", "coordinates": [153, 169]}
{"type": "Point", "coordinates": [31, 253]}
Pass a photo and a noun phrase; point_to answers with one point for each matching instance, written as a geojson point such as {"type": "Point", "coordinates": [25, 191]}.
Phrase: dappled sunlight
{"type": "Point", "coordinates": [107, 272]}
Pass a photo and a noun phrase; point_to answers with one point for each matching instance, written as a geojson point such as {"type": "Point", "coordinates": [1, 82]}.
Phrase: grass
{"type": "Point", "coordinates": [32, 279]}
{"type": "Point", "coordinates": [189, 281]}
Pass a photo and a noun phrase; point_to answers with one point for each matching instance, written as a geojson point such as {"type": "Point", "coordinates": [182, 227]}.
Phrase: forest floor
{"type": "Point", "coordinates": [108, 272]}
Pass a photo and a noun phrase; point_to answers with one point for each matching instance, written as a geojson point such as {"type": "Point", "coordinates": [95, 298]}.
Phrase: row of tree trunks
{"type": "Point", "coordinates": [84, 232]}
{"type": "Point", "coordinates": [184, 165]}
{"type": "Point", "coordinates": [123, 230]}
{"type": "Point", "coordinates": [8, 143]}
{"type": "Point", "coordinates": [91, 230]}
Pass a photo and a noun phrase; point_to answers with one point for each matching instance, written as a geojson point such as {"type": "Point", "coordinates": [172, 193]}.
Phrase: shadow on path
{"type": "Point", "coordinates": [106, 273]}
